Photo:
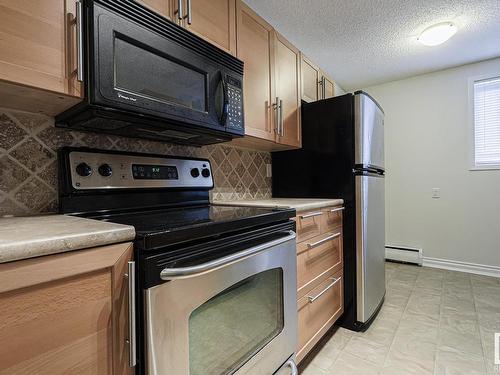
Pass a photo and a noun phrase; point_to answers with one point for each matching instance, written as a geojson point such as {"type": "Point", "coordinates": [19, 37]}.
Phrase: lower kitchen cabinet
{"type": "Point", "coordinates": [320, 285]}
{"type": "Point", "coordinates": [318, 311]}
{"type": "Point", "coordinates": [66, 313]}
{"type": "Point", "coordinates": [316, 258]}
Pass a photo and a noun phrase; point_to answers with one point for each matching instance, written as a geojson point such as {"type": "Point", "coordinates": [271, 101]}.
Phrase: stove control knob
{"type": "Point", "coordinates": [195, 172]}
{"type": "Point", "coordinates": [83, 169]}
{"type": "Point", "coordinates": [205, 172]}
{"type": "Point", "coordinates": [105, 170]}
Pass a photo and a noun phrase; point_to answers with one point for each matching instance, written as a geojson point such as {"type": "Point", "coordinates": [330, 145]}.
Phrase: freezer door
{"type": "Point", "coordinates": [369, 132]}
{"type": "Point", "coordinates": [370, 244]}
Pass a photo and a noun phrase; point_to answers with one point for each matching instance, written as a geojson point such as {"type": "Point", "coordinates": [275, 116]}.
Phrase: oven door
{"type": "Point", "coordinates": [233, 315]}
{"type": "Point", "coordinates": [138, 70]}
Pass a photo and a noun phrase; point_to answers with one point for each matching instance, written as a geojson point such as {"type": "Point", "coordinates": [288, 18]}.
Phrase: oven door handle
{"type": "Point", "coordinates": [290, 363]}
{"type": "Point", "coordinates": [201, 269]}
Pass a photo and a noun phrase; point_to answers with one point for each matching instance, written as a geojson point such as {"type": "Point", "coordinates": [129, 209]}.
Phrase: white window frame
{"type": "Point", "coordinates": [472, 139]}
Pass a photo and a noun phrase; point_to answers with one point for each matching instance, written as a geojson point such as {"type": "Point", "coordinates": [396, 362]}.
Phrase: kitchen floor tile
{"type": "Point", "coordinates": [367, 350]}
{"type": "Point", "coordinates": [451, 362]}
{"type": "Point", "coordinates": [433, 322]}
{"type": "Point", "coordinates": [348, 364]}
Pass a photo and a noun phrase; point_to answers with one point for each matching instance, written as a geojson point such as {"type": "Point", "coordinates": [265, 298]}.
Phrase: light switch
{"type": "Point", "coordinates": [436, 193]}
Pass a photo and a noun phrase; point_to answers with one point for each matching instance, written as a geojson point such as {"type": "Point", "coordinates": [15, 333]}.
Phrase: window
{"type": "Point", "coordinates": [486, 120]}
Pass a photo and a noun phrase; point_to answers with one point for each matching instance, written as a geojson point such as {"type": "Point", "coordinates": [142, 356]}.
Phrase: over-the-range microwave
{"type": "Point", "coordinates": [147, 77]}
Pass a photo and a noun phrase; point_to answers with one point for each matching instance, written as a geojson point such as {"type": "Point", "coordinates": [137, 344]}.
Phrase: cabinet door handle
{"type": "Point", "coordinates": [132, 340]}
{"type": "Point", "coordinates": [189, 13]}
{"type": "Point", "coordinates": [324, 87]}
{"type": "Point", "coordinates": [314, 298]}
{"type": "Point", "coordinates": [277, 116]}
{"type": "Point", "coordinates": [337, 209]}
{"type": "Point", "coordinates": [282, 121]}
{"type": "Point", "coordinates": [312, 214]}
{"type": "Point", "coordinates": [180, 11]}
{"type": "Point", "coordinates": [322, 241]}
{"type": "Point", "coordinates": [79, 41]}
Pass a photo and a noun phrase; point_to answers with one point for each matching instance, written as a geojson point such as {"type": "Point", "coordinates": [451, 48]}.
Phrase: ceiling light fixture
{"type": "Point", "coordinates": [437, 34]}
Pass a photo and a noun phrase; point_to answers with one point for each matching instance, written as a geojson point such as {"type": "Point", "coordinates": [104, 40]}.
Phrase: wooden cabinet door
{"type": "Point", "coordinates": [287, 80]}
{"type": "Point", "coordinates": [213, 20]}
{"type": "Point", "coordinates": [33, 44]}
{"type": "Point", "coordinates": [329, 88]}
{"type": "Point", "coordinates": [310, 77]}
{"type": "Point", "coordinates": [65, 313]}
{"type": "Point", "coordinates": [256, 48]}
{"type": "Point", "coordinates": [326, 87]}
{"type": "Point", "coordinates": [163, 7]}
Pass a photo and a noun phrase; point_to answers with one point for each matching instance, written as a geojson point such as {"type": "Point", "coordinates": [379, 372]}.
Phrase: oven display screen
{"type": "Point", "coordinates": [154, 172]}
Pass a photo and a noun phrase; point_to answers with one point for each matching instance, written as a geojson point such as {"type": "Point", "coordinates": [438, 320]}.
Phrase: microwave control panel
{"type": "Point", "coordinates": [235, 103]}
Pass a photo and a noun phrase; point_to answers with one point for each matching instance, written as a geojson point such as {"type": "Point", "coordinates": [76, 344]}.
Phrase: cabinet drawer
{"type": "Point", "coordinates": [332, 219]}
{"type": "Point", "coordinates": [315, 257]}
{"type": "Point", "coordinates": [318, 311]}
{"type": "Point", "coordinates": [309, 224]}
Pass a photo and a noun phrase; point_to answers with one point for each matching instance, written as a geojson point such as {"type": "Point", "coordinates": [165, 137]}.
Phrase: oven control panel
{"type": "Point", "coordinates": [235, 107]}
{"type": "Point", "coordinates": [94, 170]}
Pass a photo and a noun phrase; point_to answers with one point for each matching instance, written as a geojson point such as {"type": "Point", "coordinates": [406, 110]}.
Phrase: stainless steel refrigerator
{"type": "Point", "coordinates": [342, 156]}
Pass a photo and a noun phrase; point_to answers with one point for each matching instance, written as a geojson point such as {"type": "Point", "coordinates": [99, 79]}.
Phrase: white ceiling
{"type": "Point", "coordinates": [365, 42]}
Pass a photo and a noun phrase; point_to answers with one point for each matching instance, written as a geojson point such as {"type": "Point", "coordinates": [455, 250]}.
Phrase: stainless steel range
{"type": "Point", "coordinates": [216, 285]}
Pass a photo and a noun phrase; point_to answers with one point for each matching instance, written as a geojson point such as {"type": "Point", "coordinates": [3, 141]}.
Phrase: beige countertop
{"type": "Point", "coordinates": [27, 237]}
{"type": "Point", "coordinates": [300, 204]}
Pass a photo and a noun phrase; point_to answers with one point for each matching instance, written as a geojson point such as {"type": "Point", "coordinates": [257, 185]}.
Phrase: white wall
{"type": "Point", "coordinates": [338, 90]}
{"type": "Point", "coordinates": [427, 132]}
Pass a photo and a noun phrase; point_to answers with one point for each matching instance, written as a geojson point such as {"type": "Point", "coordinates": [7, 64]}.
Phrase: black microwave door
{"type": "Point", "coordinates": [139, 70]}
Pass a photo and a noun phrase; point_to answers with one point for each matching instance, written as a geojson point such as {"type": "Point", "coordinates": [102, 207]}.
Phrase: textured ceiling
{"type": "Point", "coordinates": [365, 42]}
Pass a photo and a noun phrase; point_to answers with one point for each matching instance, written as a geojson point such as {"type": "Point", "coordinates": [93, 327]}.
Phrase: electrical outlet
{"type": "Point", "coordinates": [269, 171]}
{"type": "Point", "coordinates": [436, 193]}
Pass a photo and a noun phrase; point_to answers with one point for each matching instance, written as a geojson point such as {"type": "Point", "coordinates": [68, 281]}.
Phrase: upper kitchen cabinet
{"type": "Point", "coordinates": [287, 77]}
{"type": "Point", "coordinates": [327, 87]}
{"type": "Point", "coordinates": [163, 7]}
{"type": "Point", "coordinates": [38, 55]}
{"type": "Point", "coordinates": [255, 47]}
{"type": "Point", "coordinates": [316, 85]}
{"type": "Point", "coordinates": [310, 79]}
{"type": "Point", "coordinates": [213, 20]}
{"type": "Point", "coordinates": [271, 88]}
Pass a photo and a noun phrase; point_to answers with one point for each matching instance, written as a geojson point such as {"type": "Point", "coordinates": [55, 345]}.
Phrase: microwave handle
{"type": "Point", "coordinates": [225, 102]}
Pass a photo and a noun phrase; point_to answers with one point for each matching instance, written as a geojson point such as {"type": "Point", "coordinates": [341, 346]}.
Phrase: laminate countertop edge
{"type": "Point", "coordinates": [34, 236]}
{"type": "Point", "coordinates": [299, 204]}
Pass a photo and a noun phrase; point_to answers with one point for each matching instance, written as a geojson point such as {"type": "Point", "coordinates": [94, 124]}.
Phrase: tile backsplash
{"type": "Point", "coordinates": [28, 162]}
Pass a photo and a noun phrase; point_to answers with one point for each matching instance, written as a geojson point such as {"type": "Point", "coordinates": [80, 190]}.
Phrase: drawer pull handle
{"type": "Point", "coordinates": [337, 209]}
{"type": "Point", "coordinates": [314, 298]}
{"type": "Point", "coordinates": [322, 241]}
{"type": "Point", "coordinates": [312, 214]}
{"type": "Point", "coordinates": [79, 41]}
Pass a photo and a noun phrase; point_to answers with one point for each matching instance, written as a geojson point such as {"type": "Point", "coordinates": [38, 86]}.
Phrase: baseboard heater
{"type": "Point", "coordinates": [404, 254]}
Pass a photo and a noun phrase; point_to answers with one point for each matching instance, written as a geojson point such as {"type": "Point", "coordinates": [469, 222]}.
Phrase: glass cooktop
{"type": "Point", "coordinates": [162, 227]}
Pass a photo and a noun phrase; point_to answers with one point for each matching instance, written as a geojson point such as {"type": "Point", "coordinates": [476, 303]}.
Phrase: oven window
{"type": "Point", "coordinates": [230, 328]}
{"type": "Point", "coordinates": [141, 72]}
